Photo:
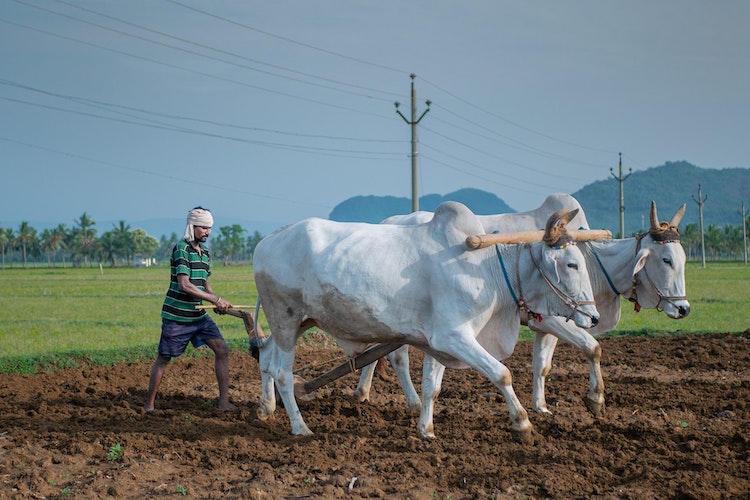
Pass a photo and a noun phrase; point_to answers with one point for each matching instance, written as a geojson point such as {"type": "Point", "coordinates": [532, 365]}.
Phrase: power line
{"type": "Point", "coordinates": [181, 68]}
{"type": "Point", "coordinates": [291, 147]}
{"type": "Point", "coordinates": [182, 179]}
{"type": "Point", "coordinates": [296, 42]}
{"type": "Point", "coordinates": [173, 47]}
{"type": "Point", "coordinates": [512, 142]}
{"type": "Point", "coordinates": [109, 106]}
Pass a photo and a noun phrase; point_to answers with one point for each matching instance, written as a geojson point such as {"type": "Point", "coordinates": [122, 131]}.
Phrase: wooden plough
{"type": "Point", "coordinates": [302, 387]}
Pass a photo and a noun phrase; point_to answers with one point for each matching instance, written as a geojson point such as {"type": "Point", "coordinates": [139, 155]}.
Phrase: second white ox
{"type": "Point", "coordinates": [649, 270]}
{"type": "Point", "coordinates": [416, 285]}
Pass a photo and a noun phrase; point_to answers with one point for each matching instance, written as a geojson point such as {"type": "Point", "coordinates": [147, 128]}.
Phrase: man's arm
{"type": "Point", "coordinates": [208, 294]}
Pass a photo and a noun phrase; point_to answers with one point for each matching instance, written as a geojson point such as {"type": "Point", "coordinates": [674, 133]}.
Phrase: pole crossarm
{"type": "Point", "coordinates": [413, 123]}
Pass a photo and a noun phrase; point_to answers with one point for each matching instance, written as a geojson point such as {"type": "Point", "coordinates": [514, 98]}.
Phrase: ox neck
{"type": "Point", "coordinates": [510, 264]}
{"type": "Point", "coordinates": [614, 260]}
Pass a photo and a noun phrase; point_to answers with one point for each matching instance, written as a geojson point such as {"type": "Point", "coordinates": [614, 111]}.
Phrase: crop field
{"type": "Point", "coordinates": [49, 312]}
{"type": "Point", "coordinates": [76, 347]}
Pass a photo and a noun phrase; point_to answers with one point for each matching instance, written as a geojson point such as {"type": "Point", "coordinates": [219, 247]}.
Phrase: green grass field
{"type": "Point", "coordinates": [58, 317]}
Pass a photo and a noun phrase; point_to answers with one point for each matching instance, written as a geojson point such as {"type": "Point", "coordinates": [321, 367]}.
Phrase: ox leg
{"type": "Point", "coordinates": [589, 346]}
{"type": "Point", "coordinates": [276, 368]}
{"type": "Point", "coordinates": [399, 360]}
{"type": "Point", "coordinates": [541, 364]}
{"type": "Point", "coordinates": [470, 352]}
{"type": "Point", "coordinates": [362, 392]}
{"type": "Point", "coordinates": [432, 379]}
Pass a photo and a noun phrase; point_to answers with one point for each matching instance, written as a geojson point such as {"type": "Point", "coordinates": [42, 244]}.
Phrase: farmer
{"type": "Point", "coordinates": [181, 322]}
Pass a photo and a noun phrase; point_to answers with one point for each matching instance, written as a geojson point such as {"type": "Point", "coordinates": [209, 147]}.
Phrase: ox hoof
{"type": "Point", "coordinates": [360, 397]}
{"type": "Point", "coordinates": [302, 430]}
{"type": "Point", "coordinates": [427, 432]}
{"type": "Point", "coordinates": [541, 409]}
{"type": "Point", "coordinates": [595, 407]}
{"type": "Point", "coordinates": [265, 410]}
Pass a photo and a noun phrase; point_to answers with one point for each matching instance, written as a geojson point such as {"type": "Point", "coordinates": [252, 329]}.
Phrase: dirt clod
{"type": "Point", "coordinates": [676, 426]}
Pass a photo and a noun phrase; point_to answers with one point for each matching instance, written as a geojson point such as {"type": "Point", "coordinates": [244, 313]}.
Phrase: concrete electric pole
{"type": "Point", "coordinates": [744, 231]}
{"type": "Point", "coordinates": [700, 201]}
{"type": "Point", "coordinates": [621, 180]}
{"type": "Point", "coordinates": [413, 122]}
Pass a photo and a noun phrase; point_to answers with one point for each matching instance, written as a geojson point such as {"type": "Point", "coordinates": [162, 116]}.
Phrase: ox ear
{"type": "Point", "coordinates": [640, 260]}
{"type": "Point", "coordinates": [551, 262]}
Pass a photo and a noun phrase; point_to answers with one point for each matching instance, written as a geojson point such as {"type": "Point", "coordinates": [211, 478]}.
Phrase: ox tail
{"type": "Point", "coordinates": [257, 340]}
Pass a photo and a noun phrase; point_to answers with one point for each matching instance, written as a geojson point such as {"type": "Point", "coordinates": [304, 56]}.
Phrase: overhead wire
{"type": "Point", "coordinates": [175, 178]}
{"type": "Point", "coordinates": [509, 141]}
{"type": "Point", "coordinates": [214, 49]}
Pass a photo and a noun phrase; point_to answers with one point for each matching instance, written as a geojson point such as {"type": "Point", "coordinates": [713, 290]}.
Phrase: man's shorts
{"type": "Point", "coordinates": [175, 335]}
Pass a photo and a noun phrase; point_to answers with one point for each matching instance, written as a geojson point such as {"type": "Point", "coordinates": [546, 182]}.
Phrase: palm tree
{"type": "Point", "coordinates": [714, 240]}
{"type": "Point", "coordinates": [62, 235]}
{"type": "Point", "coordinates": [26, 239]}
{"type": "Point", "coordinates": [123, 241]}
{"type": "Point", "coordinates": [108, 247]}
{"type": "Point", "coordinates": [52, 241]}
{"type": "Point", "coordinates": [84, 238]}
{"type": "Point", "coordinates": [6, 238]}
{"type": "Point", "coordinates": [733, 243]}
{"type": "Point", "coordinates": [691, 238]}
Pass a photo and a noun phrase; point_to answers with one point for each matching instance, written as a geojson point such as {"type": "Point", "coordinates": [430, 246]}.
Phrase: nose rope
{"type": "Point", "coordinates": [666, 298]}
{"type": "Point", "coordinates": [636, 281]}
{"type": "Point", "coordinates": [567, 299]}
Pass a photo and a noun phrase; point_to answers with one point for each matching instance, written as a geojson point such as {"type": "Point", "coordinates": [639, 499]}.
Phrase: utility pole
{"type": "Point", "coordinates": [700, 201]}
{"type": "Point", "coordinates": [744, 231]}
{"type": "Point", "coordinates": [621, 180]}
{"type": "Point", "coordinates": [413, 122]}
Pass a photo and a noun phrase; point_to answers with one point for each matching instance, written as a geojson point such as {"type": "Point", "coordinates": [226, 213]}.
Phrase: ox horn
{"type": "Point", "coordinates": [653, 217]}
{"type": "Point", "coordinates": [677, 217]}
{"type": "Point", "coordinates": [486, 240]}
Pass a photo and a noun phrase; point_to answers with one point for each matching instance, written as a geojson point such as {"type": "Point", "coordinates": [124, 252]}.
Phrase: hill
{"type": "Point", "coordinates": [376, 208]}
{"type": "Point", "coordinates": [670, 185]}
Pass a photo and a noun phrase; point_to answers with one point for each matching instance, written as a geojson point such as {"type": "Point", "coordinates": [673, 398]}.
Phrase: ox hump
{"type": "Point", "coordinates": [452, 217]}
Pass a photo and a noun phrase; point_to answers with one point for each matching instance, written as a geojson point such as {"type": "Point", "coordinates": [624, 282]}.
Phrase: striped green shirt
{"type": "Point", "coordinates": [178, 305]}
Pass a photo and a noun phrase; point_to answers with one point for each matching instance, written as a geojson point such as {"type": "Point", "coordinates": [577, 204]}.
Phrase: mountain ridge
{"type": "Point", "coordinates": [670, 185]}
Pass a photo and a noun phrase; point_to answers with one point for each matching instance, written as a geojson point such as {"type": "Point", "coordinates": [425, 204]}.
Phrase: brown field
{"type": "Point", "coordinates": [677, 425]}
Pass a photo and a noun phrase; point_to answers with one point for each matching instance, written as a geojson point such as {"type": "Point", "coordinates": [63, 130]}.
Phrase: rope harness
{"type": "Point", "coordinates": [569, 301]}
{"type": "Point", "coordinates": [637, 281]}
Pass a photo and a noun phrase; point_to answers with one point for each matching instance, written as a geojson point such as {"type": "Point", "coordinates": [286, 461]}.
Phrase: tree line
{"type": "Point", "coordinates": [121, 246]}
{"type": "Point", "coordinates": [80, 245]}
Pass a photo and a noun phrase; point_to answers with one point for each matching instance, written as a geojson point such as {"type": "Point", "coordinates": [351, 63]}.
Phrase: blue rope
{"type": "Point", "coordinates": [606, 275]}
{"type": "Point", "coordinates": [505, 273]}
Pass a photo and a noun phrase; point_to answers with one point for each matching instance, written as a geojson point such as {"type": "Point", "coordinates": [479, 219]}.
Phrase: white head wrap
{"type": "Point", "coordinates": [197, 217]}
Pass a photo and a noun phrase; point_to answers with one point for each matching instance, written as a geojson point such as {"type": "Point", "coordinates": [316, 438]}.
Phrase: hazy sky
{"type": "Point", "coordinates": [279, 110]}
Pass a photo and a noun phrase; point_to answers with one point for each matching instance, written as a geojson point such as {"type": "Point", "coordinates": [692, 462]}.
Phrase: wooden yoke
{"type": "Point", "coordinates": [485, 240]}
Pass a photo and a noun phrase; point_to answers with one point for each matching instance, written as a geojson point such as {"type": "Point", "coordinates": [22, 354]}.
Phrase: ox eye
{"type": "Point", "coordinates": [573, 266]}
{"type": "Point", "coordinates": [667, 261]}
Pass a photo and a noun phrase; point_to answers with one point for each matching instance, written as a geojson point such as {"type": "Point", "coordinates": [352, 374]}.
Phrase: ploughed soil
{"type": "Point", "coordinates": [677, 425]}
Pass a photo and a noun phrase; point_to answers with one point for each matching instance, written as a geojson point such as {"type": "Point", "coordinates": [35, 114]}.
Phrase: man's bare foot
{"type": "Point", "coordinates": [148, 408]}
{"type": "Point", "coordinates": [227, 407]}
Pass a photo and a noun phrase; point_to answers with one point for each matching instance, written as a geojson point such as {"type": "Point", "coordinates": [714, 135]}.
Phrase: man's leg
{"type": "Point", "coordinates": [157, 371]}
{"type": "Point", "coordinates": [221, 365]}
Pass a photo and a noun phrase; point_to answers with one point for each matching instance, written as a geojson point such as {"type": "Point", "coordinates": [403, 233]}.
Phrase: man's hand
{"type": "Point", "coordinates": [221, 306]}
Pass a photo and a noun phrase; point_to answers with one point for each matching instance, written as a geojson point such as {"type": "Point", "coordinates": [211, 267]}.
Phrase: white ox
{"type": "Point", "coordinates": [648, 270]}
{"type": "Point", "coordinates": [417, 285]}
